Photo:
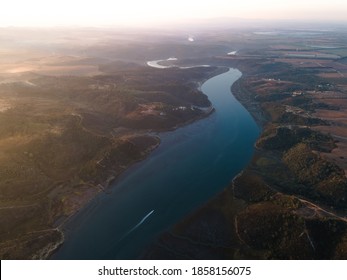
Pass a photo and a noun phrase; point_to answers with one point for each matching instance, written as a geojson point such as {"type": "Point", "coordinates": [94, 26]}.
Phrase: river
{"type": "Point", "coordinates": [191, 165]}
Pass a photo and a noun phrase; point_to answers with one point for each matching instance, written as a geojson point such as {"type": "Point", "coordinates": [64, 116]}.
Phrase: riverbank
{"type": "Point", "coordinates": [113, 179]}
{"type": "Point", "coordinates": [173, 192]}
{"type": "Point", "coordinates": [286, 204]}
{"type": "Point", "coordinates": [247, 100]}
{"type": "Point", "coordinates": [106, 187]}
{"type": "Point", "coordinates": [77, 135]}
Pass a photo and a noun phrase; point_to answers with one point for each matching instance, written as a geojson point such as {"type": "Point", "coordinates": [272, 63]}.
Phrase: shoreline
{"type": "Point", "coordinates": [103, 189]}
{"type": "Point", "coordinates": [108, 184]}
{"type": "Point", "coordinates": [245, 98]}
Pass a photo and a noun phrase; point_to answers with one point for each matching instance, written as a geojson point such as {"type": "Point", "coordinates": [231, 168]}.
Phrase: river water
{"type": "Point", "coordinates": [191, 165]}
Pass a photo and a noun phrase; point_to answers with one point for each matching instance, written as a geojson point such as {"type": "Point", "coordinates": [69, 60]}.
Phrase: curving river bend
{"type": "Point", "coordinates": [191, 165]}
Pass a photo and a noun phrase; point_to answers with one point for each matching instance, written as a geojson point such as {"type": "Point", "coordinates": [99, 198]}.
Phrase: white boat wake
{"type": "Point", "coordinates": [111, 248]}
{"type": "Point", "coordinates": [140, 223]}
{"type": "Point", "coordinates": [137, 225]}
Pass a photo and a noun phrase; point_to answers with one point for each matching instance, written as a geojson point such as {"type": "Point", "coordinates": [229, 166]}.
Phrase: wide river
{"type": "Point", "coordinates": [192, 164]}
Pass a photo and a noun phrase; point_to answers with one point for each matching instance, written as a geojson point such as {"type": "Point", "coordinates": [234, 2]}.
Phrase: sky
{"type": "Point", "coordinates": [47, 13]}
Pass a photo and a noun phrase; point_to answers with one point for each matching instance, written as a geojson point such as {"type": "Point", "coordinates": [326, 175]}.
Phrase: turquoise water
{"type": "Point", "coordinates": [191, 165]}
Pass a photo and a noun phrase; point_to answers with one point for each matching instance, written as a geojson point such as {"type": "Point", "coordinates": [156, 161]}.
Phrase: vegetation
{"type": "Point", "coordinates": [290, 202]}
{"type": "Point", "coordinates": [324, 179]}
{"type": "Point", "coordinates": [283, 138]}
{"type": "Point", "coordinates": [63, 139]}
{"type": "Point", "coordinates": [80, 117]}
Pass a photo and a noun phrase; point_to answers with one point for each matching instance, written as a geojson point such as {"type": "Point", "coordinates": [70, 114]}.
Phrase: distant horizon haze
{"type": "Point", "coordinates": [154, 13]}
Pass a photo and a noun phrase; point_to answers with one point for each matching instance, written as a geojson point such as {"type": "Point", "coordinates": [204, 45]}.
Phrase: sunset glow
{"type": "Point", "coordinates": [151, 12]}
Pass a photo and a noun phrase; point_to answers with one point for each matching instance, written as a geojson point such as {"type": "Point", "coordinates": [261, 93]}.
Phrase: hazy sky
{"type": "Point", "coordinates": [143, 12]}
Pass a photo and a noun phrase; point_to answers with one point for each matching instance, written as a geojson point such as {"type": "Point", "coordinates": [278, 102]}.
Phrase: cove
{"type": "Point", "coordinates": [191, 165]}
